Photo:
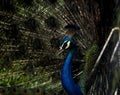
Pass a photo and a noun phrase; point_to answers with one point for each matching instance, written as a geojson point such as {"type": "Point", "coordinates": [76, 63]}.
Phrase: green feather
{"type": "Point", "coordinates": [90, 58]}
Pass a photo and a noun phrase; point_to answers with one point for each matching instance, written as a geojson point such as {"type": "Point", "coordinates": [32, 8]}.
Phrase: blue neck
{"type": "Point", "coordinates": [67, 79]}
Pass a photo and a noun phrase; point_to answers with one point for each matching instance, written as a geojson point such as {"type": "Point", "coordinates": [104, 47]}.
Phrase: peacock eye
{"type": "Point", "coordinates": [65, 45]}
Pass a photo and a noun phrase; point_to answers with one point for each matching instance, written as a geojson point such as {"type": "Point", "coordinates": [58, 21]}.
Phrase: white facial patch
{"type": "Point", "coordinates": [65, 45]}
{"type": "Point", "coordinates": [68, 45]}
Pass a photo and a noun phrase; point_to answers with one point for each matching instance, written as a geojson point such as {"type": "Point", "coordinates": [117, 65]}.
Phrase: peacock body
{"type": "Point", "coordinates": [30, 34]}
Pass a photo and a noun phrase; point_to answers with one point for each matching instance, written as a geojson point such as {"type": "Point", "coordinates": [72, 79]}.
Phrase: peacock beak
{"type": "Point", "coordinates": [60, 51]}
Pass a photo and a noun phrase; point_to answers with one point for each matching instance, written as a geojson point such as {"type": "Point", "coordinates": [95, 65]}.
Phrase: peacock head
{"type": "Point", "coordinates": [67, 43]}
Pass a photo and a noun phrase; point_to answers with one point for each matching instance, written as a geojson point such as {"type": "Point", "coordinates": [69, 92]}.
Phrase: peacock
{"type": "Point", "coordinates": [32, 52]}
{"type": "Point", "coordinates": [66, 75]}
